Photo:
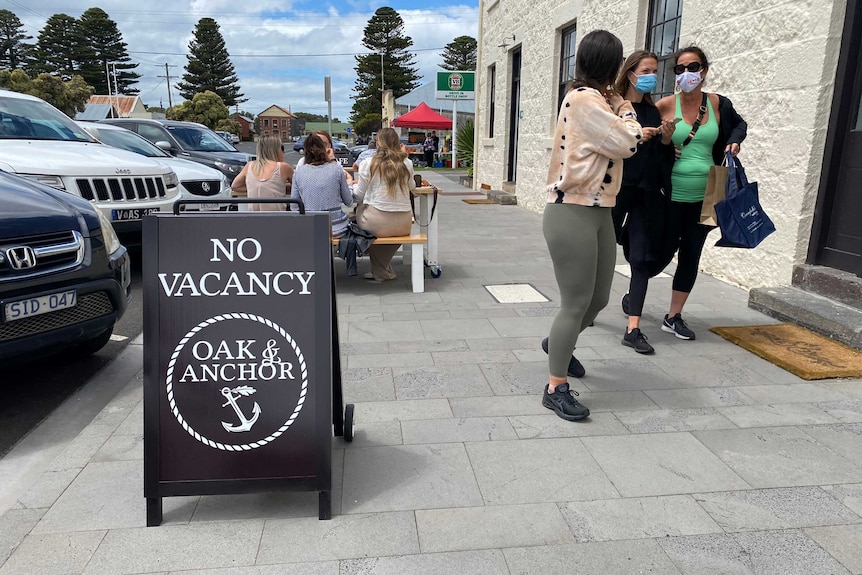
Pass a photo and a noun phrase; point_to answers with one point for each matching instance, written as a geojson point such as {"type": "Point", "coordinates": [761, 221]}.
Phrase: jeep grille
{"type": "Point", "coordinates": [121, 189]}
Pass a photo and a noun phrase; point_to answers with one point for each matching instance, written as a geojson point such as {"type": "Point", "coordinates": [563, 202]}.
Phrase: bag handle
{"type": "Point", "coordinates": [736, 179]}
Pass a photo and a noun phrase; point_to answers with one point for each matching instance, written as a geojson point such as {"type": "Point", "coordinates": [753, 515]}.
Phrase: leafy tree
{"type": "Point", "coordinates": [13, 48]}
{"type": "Point", "coordinates": [69, 96]}
{"type": "Point", "coordinates": [309, 117]}
{"type": "Point", "coordinates": [460, 54]}
{"type": "Point", "coordinates": [384, 35]}
{"type": "Point", "coordinates": [209, 66]}
{"type": "Point", "coordinates": [367, 124]}
{"type": "Point", "coordinates": [229, 125]}
{"type": "Point", "coordinates": [105, 45]}
{"type": "Point", "coordinates": [205, 108]}
{"type": "Point", "coordinates": [60, 47]}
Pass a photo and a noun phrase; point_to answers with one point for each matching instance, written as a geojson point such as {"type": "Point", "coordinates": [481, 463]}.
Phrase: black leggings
{"type": "Point", "coordinates": [642, 269]}
{"type": "Point", "coordinates": [683, 221]}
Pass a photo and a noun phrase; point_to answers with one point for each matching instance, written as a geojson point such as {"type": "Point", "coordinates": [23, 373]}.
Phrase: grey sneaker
{"type": "Point", "coordinates": [636, 340]}
{"type": "Point", "coordinates": [564, 404]}
{"type": "Point", "coordinates": [677, 326]}
{"type": "Point", "coordinates": [576, 368]}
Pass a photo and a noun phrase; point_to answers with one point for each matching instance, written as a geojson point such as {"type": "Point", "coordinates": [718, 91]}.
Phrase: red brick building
{"type": "Point", "coordinates": [275, 120]}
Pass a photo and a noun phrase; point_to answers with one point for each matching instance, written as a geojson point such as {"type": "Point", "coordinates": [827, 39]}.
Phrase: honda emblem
{"type": "Point", "coordinates": [21, 257]}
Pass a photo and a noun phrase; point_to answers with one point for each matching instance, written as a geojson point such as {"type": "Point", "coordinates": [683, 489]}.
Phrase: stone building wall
{"type": "Point", "coordinates": [776, 59]}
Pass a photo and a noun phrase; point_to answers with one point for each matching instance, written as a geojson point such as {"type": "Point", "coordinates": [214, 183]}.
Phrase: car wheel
{"type": "Point", "coordinates": [94, 344]}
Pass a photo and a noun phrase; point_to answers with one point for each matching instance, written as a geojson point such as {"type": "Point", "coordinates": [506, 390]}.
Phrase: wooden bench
{"type": "Point", "coordinates": [416, 261]}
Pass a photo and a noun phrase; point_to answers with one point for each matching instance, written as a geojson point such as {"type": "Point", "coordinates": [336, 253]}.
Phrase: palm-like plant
{"type": "Point", "coordinates": [464, 142]}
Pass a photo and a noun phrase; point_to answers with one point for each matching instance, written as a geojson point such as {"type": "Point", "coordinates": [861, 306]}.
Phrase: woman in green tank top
{"type": "Point", "coordinates": [707, 126]}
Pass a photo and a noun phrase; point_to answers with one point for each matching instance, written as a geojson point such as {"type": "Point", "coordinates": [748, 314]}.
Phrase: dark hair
{"type": "Point", "coordinates": [632, 62]}
{"type": "Point", "coordinates": [599, 56]}
{"type": "Point", "coordinates": [693, 50]}
{"type": "Point", "coordinates": [315, 150]}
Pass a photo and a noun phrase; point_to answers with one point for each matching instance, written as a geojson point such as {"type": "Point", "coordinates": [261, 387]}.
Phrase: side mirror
{"type": "Point", "coordinates": [164, 145]}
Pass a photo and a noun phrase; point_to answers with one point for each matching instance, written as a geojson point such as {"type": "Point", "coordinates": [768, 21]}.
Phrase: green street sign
{"type": "Point", "coordinates": [456, 85]}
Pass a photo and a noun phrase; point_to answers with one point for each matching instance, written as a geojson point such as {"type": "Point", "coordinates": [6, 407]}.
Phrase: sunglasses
{"type": "Point", "coordinates": [693, 67]}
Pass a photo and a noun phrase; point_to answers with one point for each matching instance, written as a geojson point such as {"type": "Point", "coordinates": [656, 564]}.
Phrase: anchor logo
{"type": "Point", "coordinates": [232, 395]}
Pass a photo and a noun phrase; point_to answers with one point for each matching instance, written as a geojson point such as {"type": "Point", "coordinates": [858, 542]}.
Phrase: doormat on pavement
{"type": "Point", "coordinates": [797, 350]}
{"type": "Point", "coordinates": [442, 193]}
{"type": "Point", "coordinates": [478, 201]}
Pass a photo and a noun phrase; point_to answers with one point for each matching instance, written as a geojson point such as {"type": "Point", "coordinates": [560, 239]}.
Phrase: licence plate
{"type": "Point", "coordinates": [209, 207]}
{"type": "Point", "coordinates": [131, 214]}
{"type": "Point", "coordinates": [39, 305]}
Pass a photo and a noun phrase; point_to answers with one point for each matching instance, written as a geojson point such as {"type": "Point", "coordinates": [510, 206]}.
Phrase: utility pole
{"type": "Point", "coordinates": [116, 92]}
{"type": "Point", "coordinates": [167, 77]}
{"type": "Point", "coordinates": [108, 79]}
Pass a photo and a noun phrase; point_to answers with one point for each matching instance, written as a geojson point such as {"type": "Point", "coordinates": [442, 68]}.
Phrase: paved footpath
{"type": "Point", "coordinates": [702, 459]}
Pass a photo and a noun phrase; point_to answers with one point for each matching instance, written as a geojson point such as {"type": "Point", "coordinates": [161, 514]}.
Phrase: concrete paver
{"type": "Point", "coordinates": [702, 459]}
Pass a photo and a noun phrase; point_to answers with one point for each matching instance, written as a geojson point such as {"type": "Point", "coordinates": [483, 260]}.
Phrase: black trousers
{"type": "Point", "coordinates": [429, 158]}
{"type": "Point", "coordinates": [689, 236]}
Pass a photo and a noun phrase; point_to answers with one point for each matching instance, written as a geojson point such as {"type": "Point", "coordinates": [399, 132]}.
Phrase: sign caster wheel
{"type": "Point", "coordinates": [436, 272]}
{"type": "Point", "coordinates": [348, 423]}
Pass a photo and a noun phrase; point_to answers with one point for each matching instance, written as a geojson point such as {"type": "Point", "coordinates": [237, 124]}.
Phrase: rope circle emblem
{"type": "Point", "coordinates": [228, 446]}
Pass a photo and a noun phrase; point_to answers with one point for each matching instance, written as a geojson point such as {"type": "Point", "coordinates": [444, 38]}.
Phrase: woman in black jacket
{"type": "Point", "coordinates": [639, 215]}
{"type": "Point", "coordinates": [707, 126]}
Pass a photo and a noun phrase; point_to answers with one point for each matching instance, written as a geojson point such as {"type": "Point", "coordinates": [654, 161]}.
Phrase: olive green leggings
{"type": "Point", "coordinates": [582, 244]}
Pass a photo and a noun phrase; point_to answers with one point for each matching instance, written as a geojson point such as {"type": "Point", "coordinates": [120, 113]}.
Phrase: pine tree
{"type": "Point", "coordinates": [460, 54]}
{"type": "Point", "coordinates": [384, 35]}
{"type": "Point", "coordinates": [13, 48]}
{"type": "Point", "coordinates": [106, 46]}
{"type": "Point", "coordinates": [209, 66]}
{"type": "Point", "coordinates": [60, 48]}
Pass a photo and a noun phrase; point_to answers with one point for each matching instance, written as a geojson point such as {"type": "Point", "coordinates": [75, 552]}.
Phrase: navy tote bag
{"type": "Point", "coordinates": [741, 218]}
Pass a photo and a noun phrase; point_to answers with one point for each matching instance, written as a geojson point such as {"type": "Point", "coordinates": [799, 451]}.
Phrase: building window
{"type": "Point", "coordinates": [283, 123]}
{"type": "Point", "coordinates": [266, 122]}
{"type": "Point", "coordinates": [665, 17]}
{"type": "Point", "coordinates": [492, 98]}
{"type": "Point", "coordinates": [567, 61]}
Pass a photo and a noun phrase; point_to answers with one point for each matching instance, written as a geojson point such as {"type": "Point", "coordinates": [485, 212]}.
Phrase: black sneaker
{"type": "Point", "coordinates": [636, 340]}
{"type": "Point", "coordinates": [625, 303]}
{"type": "Point", "coordinates": [576, 369]}
{"type": "Point", "coordinates": [564, 404]}
{"type": "Point", "coordinates": [677, 326]}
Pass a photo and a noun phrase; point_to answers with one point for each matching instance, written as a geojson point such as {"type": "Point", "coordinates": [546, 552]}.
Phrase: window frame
{"type": "Point", "coordinates": [570, 31]}
{"type": "Point", "coordinates": [666, 77]}
{"type": "Point", "coordinates": [492, 97]}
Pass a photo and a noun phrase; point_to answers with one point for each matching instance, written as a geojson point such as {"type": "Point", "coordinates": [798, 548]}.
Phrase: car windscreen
{"type": "Point", "coordinates": [199, 139]}
{"type": "Point", "coordinates": [126, 140]}
{"type": "Point", "coordinates": [22, 119]}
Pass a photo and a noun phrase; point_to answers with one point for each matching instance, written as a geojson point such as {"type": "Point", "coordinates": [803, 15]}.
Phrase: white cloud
{"type": "Point", "coordinates": [281, 51]}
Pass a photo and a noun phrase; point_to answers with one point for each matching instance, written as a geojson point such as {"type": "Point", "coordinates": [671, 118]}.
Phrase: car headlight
{"type": "Point", "coordinates": [171, 179]}
{"type": "Point", "coordinates": [53, 181]}
{"type": "Point", "coordinates": [231, 168]}
{"type": "Point", "coordinates": [109, 236]}
{"type": "Point", "coordinates": [225, 184]}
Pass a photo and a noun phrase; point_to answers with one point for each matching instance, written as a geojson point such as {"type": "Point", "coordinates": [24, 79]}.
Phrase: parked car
{"type": "Point", "coordinates": [354, 152]}
{"type": "Point", "coordinates": [197, 182]}
{"type": "Point", "coordinates": [41, 143]}
{"type": "Point", "coordinates": [342, 153]}
{"type": "Point", "coordinates": [189, 141]}
{"type": "Point", "coordinates": [228, 137]}
{"type": "Point", "coordinates": [64, 276]}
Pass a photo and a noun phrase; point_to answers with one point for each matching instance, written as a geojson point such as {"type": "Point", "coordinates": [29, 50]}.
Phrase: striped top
{"type": "Point", "coordinates": [323, 189]}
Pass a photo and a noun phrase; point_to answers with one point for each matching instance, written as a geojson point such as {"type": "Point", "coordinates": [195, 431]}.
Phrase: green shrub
{"type": "Point", "coordinates": [464, 143]}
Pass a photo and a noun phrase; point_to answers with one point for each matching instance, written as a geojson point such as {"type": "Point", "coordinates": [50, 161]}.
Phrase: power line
{"type": "Point", "coordinates": [290, 55]}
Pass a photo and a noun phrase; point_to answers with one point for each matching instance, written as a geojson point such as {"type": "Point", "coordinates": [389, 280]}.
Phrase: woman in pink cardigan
{"type": "Point", "coordinates": [596, 129]}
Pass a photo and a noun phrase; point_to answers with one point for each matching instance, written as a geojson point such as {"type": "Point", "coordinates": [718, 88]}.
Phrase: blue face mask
{"type": "Point", "coordinates": [646, 83]}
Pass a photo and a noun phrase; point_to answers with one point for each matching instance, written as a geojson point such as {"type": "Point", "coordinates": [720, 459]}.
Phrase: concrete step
{"type": "Point", "coordinates": [502, 197]}
{"type": "Point", "coordinates": [834, 284]}
{"type": "Point", "coordinates": [823, 315]}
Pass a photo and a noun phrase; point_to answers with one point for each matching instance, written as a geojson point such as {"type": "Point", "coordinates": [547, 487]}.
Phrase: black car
{"type": "Point", "coordinates": [64, 276]}
{"type": "Point", "coordinates": [190, 141]}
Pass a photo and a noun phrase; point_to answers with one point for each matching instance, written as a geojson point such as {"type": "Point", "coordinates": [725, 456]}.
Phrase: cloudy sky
{"type": "Point", "coordinates": [281, 49]}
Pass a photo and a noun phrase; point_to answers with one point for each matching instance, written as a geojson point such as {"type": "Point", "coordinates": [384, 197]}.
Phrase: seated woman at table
{"type": "Point", "coordinates": [268, 176]}
{"type": "Point", "coordinates": [320, 184]}
{"type": "Point", "coordinates": [385, 182]}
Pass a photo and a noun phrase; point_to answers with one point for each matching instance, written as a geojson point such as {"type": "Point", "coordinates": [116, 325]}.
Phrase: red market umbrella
{"type": "Point", "coordinates": [423, 117]}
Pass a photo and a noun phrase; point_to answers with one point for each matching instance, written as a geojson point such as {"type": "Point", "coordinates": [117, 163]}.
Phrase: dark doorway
{"type": "Point", "coordinates": [837, 233]}
{"type": "Point", "coordinates": [514, 115]}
